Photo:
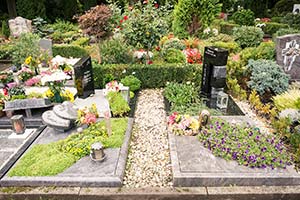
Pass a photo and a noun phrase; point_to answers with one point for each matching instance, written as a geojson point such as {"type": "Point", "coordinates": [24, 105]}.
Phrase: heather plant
{"type": "Point", "coordinates": [95, 22]}
{"type": "Point", "coordinates": [288, 99]}
{"type": "Point", "coordinates": [245, 144]}
{"type": "Point", "coordinates": [267, 76]}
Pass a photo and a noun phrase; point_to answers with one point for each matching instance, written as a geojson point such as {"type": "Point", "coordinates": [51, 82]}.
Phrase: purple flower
{"type": "Point", "coordinates": [257, 137]}
{"type": "Point", "coordinates": [264, 149]}
{"type": "Point", "coordinates": [247, 151]}
{"type": "Point", "coordinates": [250, 134]}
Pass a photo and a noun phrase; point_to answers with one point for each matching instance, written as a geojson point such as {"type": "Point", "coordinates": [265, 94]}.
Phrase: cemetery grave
{"type": "Point", "coordinates": [171, 104]}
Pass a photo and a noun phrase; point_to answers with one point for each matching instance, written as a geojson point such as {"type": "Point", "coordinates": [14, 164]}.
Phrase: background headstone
{"type": "Point", "coordinates": [288, 54]}
{"type": "Point", "coordinates": [19, 25]}
{"type": "Point", "coordinates": [46, 45]}
{"type": "Point", "coordinates": [84, 78]}
{"type": "Point", "coordinates": [296, 9]}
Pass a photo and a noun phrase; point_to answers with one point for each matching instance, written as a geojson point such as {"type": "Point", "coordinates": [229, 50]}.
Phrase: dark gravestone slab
{"type": "Point", "coordinates": [214, 69]}
{"type": "Point", "coordinates": [288, 54]}
{"type": "Point", "coordinates": [84, 78]}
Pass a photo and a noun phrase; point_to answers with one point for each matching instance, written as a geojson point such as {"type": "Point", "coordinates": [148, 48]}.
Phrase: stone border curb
{"type": "Point", "coordinates": [111, 181]}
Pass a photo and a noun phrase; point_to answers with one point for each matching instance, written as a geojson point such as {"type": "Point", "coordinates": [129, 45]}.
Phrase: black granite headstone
{"type": "Point", "coordinates": [84, 79]}
{"type": "Point", "coordinates": [214, 70]}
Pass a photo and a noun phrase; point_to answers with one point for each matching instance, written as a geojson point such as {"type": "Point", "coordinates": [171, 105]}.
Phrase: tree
{"type": "Point", "coordinates": [11, 7]}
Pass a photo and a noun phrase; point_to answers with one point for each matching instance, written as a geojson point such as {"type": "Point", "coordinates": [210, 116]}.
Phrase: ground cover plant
{"type": "Point", "coordinates": [53, 158]}
{"type": "Point", "coordinates": [245, 144]}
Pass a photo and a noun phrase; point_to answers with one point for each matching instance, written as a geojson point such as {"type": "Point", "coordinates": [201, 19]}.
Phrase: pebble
{"type": "Point", "coordinates": [148, 163]}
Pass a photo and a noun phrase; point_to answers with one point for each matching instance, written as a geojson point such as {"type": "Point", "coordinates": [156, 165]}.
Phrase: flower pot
{"type": "Point", "coordinates": [9, 114]}
{"type": "Point", "coordinates": [58, 98]}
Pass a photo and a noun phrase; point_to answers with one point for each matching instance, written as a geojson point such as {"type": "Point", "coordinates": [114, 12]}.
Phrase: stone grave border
{"type": "Point", "coordinates": [13, 159]}
{"type": "Point", "coordinates": [110, 181]}
{"type": "Point", "coordinates": [196, 179]}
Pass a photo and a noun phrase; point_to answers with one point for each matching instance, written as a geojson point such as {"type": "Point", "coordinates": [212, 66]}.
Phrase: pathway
{"type": "Point", "coordinates": [148, 163]}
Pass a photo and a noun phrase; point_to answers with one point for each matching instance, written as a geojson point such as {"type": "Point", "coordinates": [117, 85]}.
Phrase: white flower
{"type": "Point", "coordinates": [257, 19]}
{"type": "Point", "coordinates": [124, 71]}
{"type": "Point", "coordinates": [207, 30]}
{"type": "Point", "coordinates": [215, 31]}
{"type": "Point", "coordinates": [260, 25]}
{"type": "Point", "coordinates": [56, 76]}
{"type": "Point", "coordinates": [133, 73]}
{"type": "Point", "coordinates": [140, 54]}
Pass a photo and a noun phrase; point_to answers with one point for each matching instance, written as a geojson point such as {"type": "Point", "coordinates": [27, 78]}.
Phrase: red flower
{"type": "Point", "coordinates": [121, 21]}
{"type": "Point", "coordinates": [222, 15]}
{"type": "Point", "coordinates": [156, 5]}
{"type": "Point", "coordinates": [118, 26]}
{"type": "Point", "coordinates": [125, 17]}
{"type": "Point", "coordinates": [5, 91]}
{"type": "Point", "coordinates": [157, 48]}
{"type": "Point", "coordinates": [150, 62]}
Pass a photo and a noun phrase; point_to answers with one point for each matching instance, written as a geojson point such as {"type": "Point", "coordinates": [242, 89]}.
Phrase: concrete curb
{"type": "Point", "coordinates": [211, 193]}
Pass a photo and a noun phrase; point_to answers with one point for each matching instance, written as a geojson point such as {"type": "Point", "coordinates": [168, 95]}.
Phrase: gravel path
{"type": "Point", "coordinates": [148, 163]}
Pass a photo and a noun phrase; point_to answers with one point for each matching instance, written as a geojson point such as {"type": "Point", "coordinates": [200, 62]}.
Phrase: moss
{"type": "Point", "coordinates": [50, 159]}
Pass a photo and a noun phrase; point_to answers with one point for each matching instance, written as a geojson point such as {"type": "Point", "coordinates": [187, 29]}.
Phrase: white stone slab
{"type": "Point", "coordinates": [21, 136]}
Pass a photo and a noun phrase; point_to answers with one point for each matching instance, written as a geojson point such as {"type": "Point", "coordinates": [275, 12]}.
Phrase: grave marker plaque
{"type": "Point", "coordinates": [288, 54]}
{"type": "Point", "coordinates": [46, 45]}
{"type": "Point", "coordinates": [84, 78]}
{"type": "Point", "coordinates": [296, 9]}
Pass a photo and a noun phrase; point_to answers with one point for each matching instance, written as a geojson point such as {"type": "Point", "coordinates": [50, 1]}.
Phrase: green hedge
{"type": "Point", "coordinates": [67, 50]}
{"type": "Point", "coordinates": [152, 76]}
{"type": "Point", "coordinates": [227, 27]}
{"type": "Point", "coordinates": [272, 27]}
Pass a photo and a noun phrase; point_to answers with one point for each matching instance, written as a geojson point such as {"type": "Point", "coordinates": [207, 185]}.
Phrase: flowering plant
{"type": "Point", "coordinates": [245, 144]}
{"type": "Point", "coordinates": [112, 86]}
{"type": "Point", "coordinates": [183, 124]}
{"type": "Point", "coordinates": [33, 81]}
{"type": "Point", "coordinates": [25, 73]}
{"type": "Point", "coordinates": [87, 115]}
{"type": "Point", "coordinates": [193, 56]}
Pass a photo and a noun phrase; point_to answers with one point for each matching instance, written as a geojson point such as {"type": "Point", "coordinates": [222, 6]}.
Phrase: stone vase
{"type": "Point", "coordinates": [58, 98]}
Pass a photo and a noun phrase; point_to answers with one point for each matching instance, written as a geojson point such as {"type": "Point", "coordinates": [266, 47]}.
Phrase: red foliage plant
{"type": "Point", "coordinates": [96, 21]}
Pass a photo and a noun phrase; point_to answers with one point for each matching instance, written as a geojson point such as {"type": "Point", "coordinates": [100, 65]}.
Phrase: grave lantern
{"type": "Point", "coordinates": [18, 124]}
{"type": "Point", "coordinates": [125, 93]}
{"type": "Point", "coordinates": [97, 152]}
{"type": "Point", "coordinates": [222, 100]}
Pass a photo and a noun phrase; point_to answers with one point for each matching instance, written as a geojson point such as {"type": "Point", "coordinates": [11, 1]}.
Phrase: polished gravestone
{"type": "Point", "coordinates": [84, 172]}
{"type": "Point", "coordinates": [194, 165]}
{"type": "Point", "coordinates": [13, 146]}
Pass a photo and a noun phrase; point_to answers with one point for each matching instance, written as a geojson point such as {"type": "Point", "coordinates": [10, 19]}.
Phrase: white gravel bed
{"type": "Point", "coordinates": [148, 163]}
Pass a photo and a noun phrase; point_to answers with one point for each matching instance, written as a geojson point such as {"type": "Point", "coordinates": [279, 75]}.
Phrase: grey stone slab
{"type": "Point", "coordinates": [66, 110]}
{"type": "Point", "coordinates": [98, 98]}
{"type": "Point", "coordinates": [51, 119]}
{"type": "Point", "coordinates": [21, 104]}
{"type": "Point", "coordinates": [4, 155]}
{"type": "Point", "coordinates": [194, 165]}
{"type": "Point", "coordinates": [108, 173]}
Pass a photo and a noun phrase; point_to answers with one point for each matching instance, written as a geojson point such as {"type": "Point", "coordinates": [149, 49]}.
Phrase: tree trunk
{"type": "Point", "coordinates": [11, 7]}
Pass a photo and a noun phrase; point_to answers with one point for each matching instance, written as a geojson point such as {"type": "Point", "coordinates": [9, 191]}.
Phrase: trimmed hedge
{"type": "Point", "coordinates": [272, 27]}
{"type": "Point", "coordinates": [68, 50]}
{"type": "Point", "coordinates": [151, 76]}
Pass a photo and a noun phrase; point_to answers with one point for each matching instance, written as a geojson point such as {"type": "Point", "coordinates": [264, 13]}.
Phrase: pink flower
{"type": "Point", "coordinates": [150, 62]}
{"type": "Point", "coordinates": [90, 118]}
{"type": "Point", "coordinates": [33, 81]}
{"type": "Point", "coordinates": [156, 5]}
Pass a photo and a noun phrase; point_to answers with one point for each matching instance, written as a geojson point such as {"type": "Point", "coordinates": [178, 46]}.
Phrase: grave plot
{"type": "Point", "coordinates": [82, 171]}
{"type": "Point", "coordinates": [14, 145]}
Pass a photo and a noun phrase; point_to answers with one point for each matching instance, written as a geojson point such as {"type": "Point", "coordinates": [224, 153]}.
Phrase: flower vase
{"type": "Point", "coordinates": [57, 97]}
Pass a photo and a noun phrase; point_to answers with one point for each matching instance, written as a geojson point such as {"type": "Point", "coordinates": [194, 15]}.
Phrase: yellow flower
{"type": "Point", "coordinates": [49, 93]}
{"type": "Point", "coordinates": [28, 60]}
{"type": "Point", "coordinates": [194, 124]}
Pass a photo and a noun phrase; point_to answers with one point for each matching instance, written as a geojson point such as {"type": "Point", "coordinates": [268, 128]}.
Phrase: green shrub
{"type": "Point", "coordinates": [266, 50]}
{"type": "Point", "coordinates": [293, 20]}
{"type": "Point", "coordinates": [221, 38]}
{"type": "Point", "coordinates": [115, 51]}
{"type": "Point", "coordinates": [5, 29]}
{"type": "Point", "coordinates": [282, 32]}
{"type": "Point", "coordinates": [267, 76]}
{"type": "Point", "coordinates": [205, 11]}
{"type": "Point", "coordinates": [287, 99]}
{"type": "Point", "coordinates": [276, 19]}
{"type": "Point", "coordinates": [151, 76]}
{"type": "Point", "coordinates": [30, 9]}
{"type": "Point", "coordinates": [181, 94]}
{"type": "Point", "coordinates": [283, 7]}
{"type": "Point", "coordinates": [248, 36]}
{"type": "Point", "coordinates": [67, 50]}
{"type": "Point", "coordinates": [118, 105]}
{"type": "Point", "coordinates": [132, 82]}
{"type": "Point", "coordinates": [227, 27]}
{"type": "Point", "coordinates": [82, 41]}
{"type": "Point", "coordinates": [26, 45]}
{"type": "Point", "coordinates": [6, 50]}
{"type": "Point", "coordinates": [63, 31]}
{"type": "Point", "coordinates": [175, 56]}
{"type": "Point", "coordinates": [232, 47]}
{"type": "Point", "coordinates": [272, 27]}
{"type": "Point", "coordinates": [244, 17]}
{"type": "Point", "coordinates": [173, 43]}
